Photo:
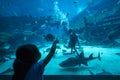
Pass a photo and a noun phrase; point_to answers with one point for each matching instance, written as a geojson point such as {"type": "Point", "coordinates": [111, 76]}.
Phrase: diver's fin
{"type": "Point", "coordinates": [99, 57]}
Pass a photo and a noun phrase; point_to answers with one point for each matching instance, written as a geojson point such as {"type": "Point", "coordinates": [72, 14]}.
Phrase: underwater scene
{"type": "Point", "coordinates": [88, 32]}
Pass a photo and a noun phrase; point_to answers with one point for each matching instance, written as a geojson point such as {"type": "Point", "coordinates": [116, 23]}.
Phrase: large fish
{"type": "Point", "coordinates": [74, 61]}
{"type": "Point", "coordinates": [49, 37]}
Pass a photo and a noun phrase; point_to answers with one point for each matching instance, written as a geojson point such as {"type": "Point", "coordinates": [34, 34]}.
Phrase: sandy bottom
{"type": "Point", "coordinates": [110, 62]}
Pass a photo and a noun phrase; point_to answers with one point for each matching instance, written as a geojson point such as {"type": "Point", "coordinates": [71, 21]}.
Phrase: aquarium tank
{"type": "Point", "coordinates": [88, 32]}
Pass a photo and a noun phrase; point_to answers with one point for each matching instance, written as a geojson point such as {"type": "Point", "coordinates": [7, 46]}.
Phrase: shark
{"type": "Point", "coordinates": [78, 60]}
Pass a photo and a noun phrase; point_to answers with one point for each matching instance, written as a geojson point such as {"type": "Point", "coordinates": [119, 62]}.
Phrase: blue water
{"type": "Point", "coordinates": [96, 23]}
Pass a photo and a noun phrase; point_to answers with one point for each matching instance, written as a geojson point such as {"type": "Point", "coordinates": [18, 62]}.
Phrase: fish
{"type": "Point", "coordinates": [49, 37]}
{"type": "Point", "coordinates": [104, 72]}
{"type": "Point", "coordinates": [78, 60]}
{"type": "Point", "coordinates": [29, 32]}
{"type": "Point", "coordinates": [75, 2]}
{"type": "Point", "coordinates": [25, 32]}
{"type": "Point", "coordinates": [117, 54]}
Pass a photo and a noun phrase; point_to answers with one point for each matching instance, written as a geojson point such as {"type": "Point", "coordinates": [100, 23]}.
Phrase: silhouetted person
{"type": "Point", "coordinates": [27, 65]}
{"type": "Point", "coordinates": [73, 41]}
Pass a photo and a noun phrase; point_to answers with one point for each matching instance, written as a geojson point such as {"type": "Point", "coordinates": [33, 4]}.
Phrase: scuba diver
{"type": "Point", "coordinates": [73, 41]}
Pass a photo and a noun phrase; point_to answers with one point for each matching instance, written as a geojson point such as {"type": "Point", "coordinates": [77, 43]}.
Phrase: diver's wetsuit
{"type": "Point", "coordinates": [73, 41]}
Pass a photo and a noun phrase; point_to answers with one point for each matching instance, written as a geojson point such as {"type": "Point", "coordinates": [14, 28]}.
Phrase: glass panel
{"type": "Point", "coordinates": [88, 32]}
